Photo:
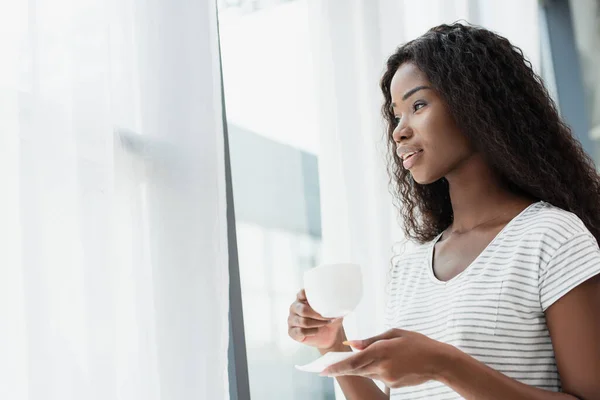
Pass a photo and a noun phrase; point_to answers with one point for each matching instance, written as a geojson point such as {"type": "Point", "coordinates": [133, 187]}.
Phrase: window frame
{"type": "Point", "coordinates": [237, 361]}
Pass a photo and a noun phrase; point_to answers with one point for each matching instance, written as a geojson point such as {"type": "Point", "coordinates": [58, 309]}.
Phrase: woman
{"type": "Point", "coordinates": [501, 298]}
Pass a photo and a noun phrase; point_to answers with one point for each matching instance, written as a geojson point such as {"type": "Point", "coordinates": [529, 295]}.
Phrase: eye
{"type": "Point", "coordinates": [418, 105]}
{"type": "Point", "coordinates": [397, 120]}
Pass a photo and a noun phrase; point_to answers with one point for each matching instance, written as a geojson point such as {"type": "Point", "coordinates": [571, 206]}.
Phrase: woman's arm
{"type": "Point", "coordinates": [574, 325]}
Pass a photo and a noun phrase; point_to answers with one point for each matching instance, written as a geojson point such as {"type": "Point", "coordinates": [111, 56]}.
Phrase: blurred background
{"type": "Point", "coordinates": [306, 145]}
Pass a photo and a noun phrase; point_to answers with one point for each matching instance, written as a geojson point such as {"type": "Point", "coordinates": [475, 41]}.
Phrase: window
{"type": "Point", "coordinates": [585, 16]}
{"type": "Point", "coordinates": [268, 84]}
{"type": "Point", "coordinates": [571, 50]}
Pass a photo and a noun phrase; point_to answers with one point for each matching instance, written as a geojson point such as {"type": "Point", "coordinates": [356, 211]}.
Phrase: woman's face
{"type": "Point", "coordinates": [427, 138]}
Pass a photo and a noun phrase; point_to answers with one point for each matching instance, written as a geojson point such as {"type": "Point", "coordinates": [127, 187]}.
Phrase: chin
{"type": "Point", "coordinates": [423, 178]}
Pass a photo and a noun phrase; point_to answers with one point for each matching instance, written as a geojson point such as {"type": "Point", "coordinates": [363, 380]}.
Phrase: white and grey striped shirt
{"type": "Point", "coordinates": [494, 309]}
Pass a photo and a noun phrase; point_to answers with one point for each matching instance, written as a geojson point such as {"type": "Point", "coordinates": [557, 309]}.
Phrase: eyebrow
{"type": "Point", "coordinates": [411, 92]}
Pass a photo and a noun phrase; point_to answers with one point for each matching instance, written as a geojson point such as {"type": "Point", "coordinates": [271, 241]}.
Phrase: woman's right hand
{"type": "Point", "coordinates": [306, 326]}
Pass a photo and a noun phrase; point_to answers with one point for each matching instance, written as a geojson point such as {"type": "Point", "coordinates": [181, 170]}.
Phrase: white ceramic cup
{"type": "Point", "coordinates": [333, 290]}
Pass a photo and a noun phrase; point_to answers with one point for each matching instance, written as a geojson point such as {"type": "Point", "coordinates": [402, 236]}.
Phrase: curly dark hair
{"type": "Point", "coordinates": [503, 108]}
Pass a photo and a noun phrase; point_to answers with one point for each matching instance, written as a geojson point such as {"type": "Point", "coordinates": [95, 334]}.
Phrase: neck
{"type": "Point", "coordinates": [477, 195]}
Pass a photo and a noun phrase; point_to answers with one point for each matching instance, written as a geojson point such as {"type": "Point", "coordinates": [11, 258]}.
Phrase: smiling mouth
{"type": "Point", "coordinates": [408, 155]}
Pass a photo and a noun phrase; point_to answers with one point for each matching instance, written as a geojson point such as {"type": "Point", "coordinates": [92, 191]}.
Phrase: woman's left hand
{"type": "Point", "coordinates": [397, 358]}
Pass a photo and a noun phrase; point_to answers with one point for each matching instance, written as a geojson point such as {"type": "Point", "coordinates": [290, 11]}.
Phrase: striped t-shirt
{"type": "Point", "coordinates": [494, 309]}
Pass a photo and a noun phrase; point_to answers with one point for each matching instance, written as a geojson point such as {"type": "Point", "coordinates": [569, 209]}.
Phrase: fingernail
{"type": "Point", "coordinates": [355, 344]}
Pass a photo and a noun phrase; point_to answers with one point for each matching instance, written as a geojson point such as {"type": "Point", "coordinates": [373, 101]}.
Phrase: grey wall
{"type": "Point", "coordinates": [567, 71]}
{"type": "Point", "coordinates": [274, 185]}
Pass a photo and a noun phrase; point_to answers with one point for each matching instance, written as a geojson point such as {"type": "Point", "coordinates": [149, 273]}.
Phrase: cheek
{"type": "Point", "coordinates": [442, 138]}
{"type": "Point", "coordinates": [446, 154]}
{"type": "Point", "coordinates": [442, 155]}
{"type": "Point", "coordinates": [431, 127]}
{"type": "Point", "coordinates": [444, 144]}
{"type": "Point", "coordinates": [439, 160]}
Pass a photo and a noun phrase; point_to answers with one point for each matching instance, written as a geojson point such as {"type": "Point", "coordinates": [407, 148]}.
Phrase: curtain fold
{"type": "Point", "coordinates": [113, 230]}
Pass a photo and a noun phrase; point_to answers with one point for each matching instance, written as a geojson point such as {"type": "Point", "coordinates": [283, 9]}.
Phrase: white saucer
{"type": "Point", "coordinates": [325, 361]}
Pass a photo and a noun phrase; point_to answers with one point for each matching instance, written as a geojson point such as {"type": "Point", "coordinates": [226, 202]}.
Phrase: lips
{"type": "Point", "coordinates": [405, 151]}
{"type": "Point", "coordinates": [409, 156]}
{"type": "Point", "coordinates": [405, 156]}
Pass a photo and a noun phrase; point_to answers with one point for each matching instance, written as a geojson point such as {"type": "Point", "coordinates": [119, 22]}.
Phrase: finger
{"type": "Point", "coordinates": [295, 320]}
{"type": "Point", "coordinates": [374, 377]}
{"type": "Point", "coordinates": [301, 296]}
{"type": "Point", "coordinates": [363, 344]}
{"type": "Point", "coordinates": [300, 334]}
{"type": "Point", "coordinates": [304, 310]}
{"type": "Point", "coordinates": [364, 367]}
{"type": "Point", "coordinates": [302, 322]}
{"type": "Point", "coordinates": [355, 362]}
{"type": "Point", "coordinates": [366, 371]}
{"type": "Point", "coordinates": [370, 369]}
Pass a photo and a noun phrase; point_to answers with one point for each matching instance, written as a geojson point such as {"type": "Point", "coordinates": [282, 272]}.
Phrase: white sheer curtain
{"type": "Point", "coordinates": [351, 41]}
{"type": "Point", "coordinates": [113, 252]}
{"type": "Point", "coordinates": [357, 213]}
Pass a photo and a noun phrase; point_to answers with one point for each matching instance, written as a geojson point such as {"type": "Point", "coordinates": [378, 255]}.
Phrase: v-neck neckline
{"type": "Point", "coordinates": [455, 278]}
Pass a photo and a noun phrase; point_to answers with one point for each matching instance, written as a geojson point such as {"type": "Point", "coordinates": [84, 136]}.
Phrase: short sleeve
{"type": "Point", "coordinates": [574, 262]}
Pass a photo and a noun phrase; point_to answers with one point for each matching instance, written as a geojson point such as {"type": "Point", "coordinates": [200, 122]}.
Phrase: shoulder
{"type": "Point", "coordinates": [573, 253]}
{"type": "Point", "coordinates": [546, 248]}
{"type": "Point", "coordinates": [548, 226]}
{"type": "Point", "coordinates": [543, 216]}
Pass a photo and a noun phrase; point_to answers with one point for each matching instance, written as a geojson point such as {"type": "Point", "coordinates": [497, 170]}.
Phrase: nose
{"type": "Point", "coordinates": [402, 131]}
